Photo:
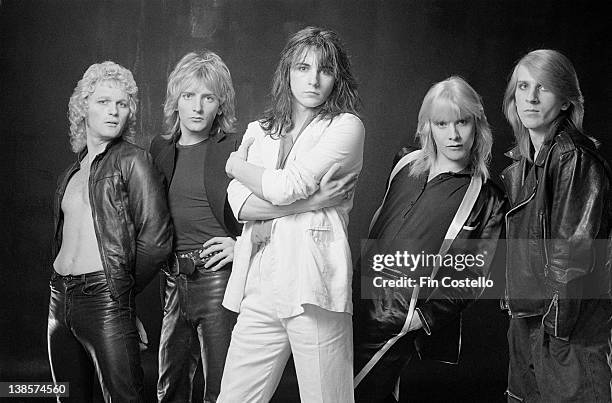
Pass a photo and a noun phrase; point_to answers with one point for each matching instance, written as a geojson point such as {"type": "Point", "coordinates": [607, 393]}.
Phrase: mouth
{"type": "Point", "coordinates": [531, 111]}
{"type": "Point", "coordinates": [110, 123]}
{"type": "Point", "coordinates": [196, 119]}
{"type": "Point", "coordinates": [312, 93]}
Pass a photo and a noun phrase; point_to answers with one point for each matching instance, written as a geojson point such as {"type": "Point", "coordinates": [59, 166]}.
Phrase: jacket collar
{"type": "Point", "coordinates": [111, 143]}
{"type": "Point", "coordinates": [515, 153]}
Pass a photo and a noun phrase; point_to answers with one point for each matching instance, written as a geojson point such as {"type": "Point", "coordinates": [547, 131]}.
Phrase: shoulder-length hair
{"type": "Point", "coordinates": [332, 55]}
{"type": "Point", "coordinates": [465, 101]}
{"type": "Point", "coordinates": [556, 73]}
{"type": "Point", "coordinates": [106, 72]}
{"type": "Point", "coordinates": [205, 68]}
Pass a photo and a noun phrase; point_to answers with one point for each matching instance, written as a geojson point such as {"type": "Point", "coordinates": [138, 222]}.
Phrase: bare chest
{"type": "Point", "coordinates": [76, 196]}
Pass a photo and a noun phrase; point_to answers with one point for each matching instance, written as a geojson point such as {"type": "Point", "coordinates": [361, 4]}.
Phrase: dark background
{"type": "Point", "coordinates": [398, 48]}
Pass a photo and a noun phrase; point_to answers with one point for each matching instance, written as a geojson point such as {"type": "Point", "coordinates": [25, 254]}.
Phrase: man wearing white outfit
{"type": "Point", "coordinates": [291, 280]}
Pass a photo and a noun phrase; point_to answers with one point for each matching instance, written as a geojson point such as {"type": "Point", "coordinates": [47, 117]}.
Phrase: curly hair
{"type": "Point", "coordinates": [331, 54]}
{"type": "Point", "coordinates": [466, 102]}
{"type": "Point", "coordinates": [77, 106]}
{"type": "Point", "coordinates": [205, 68]}
{"type": "Point", "coordinates": [556, 72]}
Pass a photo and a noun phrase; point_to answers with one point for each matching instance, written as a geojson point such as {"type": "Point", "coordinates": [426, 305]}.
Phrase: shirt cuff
{"type": "Point", "coordinates": [237, 195]}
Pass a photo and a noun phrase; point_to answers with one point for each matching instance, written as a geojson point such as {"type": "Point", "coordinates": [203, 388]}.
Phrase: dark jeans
{"type": "Point", "coordinates": [544, 368]}
{"type": "Point", "coordinates": [194, 325]}
{"type": "Point", "coordinates": [91, 334]}
{"type": "Point", "coordinates": [379, 384]}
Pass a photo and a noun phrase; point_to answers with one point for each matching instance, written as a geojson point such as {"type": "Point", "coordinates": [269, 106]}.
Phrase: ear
{"type": "Point", "coordinates": [565, 106]}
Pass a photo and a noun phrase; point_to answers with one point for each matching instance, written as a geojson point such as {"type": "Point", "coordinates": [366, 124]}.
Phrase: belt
{"type": "Point", "coordinates": [187, 262]}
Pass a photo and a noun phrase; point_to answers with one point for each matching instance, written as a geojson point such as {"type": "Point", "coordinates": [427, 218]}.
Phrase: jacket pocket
{"type": "Point", "coordinates": [322, 235]}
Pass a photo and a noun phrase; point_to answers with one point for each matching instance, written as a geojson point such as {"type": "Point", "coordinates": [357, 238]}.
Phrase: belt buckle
{"type": "Point", "coordinates": [185, 263]}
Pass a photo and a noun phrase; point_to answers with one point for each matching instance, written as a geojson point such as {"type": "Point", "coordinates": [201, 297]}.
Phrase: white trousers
{"type": "Point", "coordinates": [321, 342]}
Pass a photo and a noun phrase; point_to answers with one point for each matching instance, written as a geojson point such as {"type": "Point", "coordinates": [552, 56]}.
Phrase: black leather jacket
{"type": "Point", "coordinates": [557, 229]}
{"type": "Point", "coordinates": [130, 214]}
{"type": "Point", "coordinates": [440, 308]}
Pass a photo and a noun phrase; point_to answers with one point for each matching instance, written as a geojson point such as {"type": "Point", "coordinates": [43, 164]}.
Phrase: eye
{"type": "Point", "coordinates": [328, 71]}
{"type": "Point", "coordinates": [522, 86]}
{"type": "Point", "coordinates": [123, 104]}
{"type": "Point", "coordinates": [542, 88]}
{"type": "Point", "coordinates": [187, 95]}
{"type": "Point", "coordinates": [440, 123]}
{"type": "Point", "coordinates": [210, 98]}
{"type": "Point", "coordinates": [103, 101]}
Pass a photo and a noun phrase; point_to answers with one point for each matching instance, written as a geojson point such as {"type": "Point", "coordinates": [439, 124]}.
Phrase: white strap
{"type": "Point", "coordinates": [461, 216]}
{"type": "Point", "coordinates": [405, 160]}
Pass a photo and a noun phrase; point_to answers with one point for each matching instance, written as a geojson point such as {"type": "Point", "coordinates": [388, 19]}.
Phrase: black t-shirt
{"type": "Point", "coordinates": [194, 222]}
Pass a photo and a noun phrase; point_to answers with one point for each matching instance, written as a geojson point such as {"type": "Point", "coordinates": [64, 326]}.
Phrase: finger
{"type": "Point", "coordinates": [214, 259]}
{"type": "Point", "coordinates": [212, 241]}
{"type": "Point", "coordinates": [350, 185]}
{"type": "Point", "coordinates": [222, 246]}
{"type": "Point", "coordinates": [211, 249]}
{"type": "Point", "coordinates": [222, 263]}
{"type": "Point", "coordinates": [331, 172]}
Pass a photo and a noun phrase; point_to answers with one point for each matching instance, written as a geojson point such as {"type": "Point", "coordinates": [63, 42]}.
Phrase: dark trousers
{"type": "Point", "coordinates": [544, 368]}
{"type": "Point", "coordinates": [379, 384]}
{"type": "Point", "coordinates": [194, 325]}
{"type": "Point", "coordinates": [89, 334]}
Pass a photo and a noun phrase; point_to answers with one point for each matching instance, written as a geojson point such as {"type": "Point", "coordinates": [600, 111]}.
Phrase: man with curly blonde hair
{"type": "Point", "coordinates": [112, 233]}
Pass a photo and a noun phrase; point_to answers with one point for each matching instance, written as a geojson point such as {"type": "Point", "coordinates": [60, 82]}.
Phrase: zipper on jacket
{"type": "Point", "coordinates": [92, 168]}
{"type": "Point", "coordinates": [544, 244]}
{"type": "Point", "coordinates": [507, 298]}
{"type": "Point", "coordinates": [554, 303]}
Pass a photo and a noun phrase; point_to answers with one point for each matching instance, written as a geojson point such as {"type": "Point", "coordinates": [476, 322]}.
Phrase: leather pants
{"type": "Point", "coordinates": [195, 326]}
{"type": "Point", "coordinates": [370, 334]}
{"type": "Point", "coordinates": [90, 333]}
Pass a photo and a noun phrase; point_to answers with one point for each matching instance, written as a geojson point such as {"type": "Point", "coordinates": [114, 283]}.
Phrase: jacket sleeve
{"type": "Point", "coordinates": [342, 142]}
{"type": "Point", "coordinates": [237, 193]}
{"type": "Point", "coordinates": [231, 222]}
{"type": "Point", "coordinates": [151, 218]}
{"type": "Point", "coordinates": [446, 302]}
{"type": "Point", "coordinates": [579, 189]}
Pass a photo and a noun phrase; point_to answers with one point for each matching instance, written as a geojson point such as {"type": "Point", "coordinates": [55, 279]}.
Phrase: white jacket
{"type": "Point", "coordinates": [311, 248]}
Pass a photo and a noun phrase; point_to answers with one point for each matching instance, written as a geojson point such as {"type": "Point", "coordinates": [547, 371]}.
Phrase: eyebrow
{"type": "Point", "coordinates": [108, 97]}
{"type": "Point", "coordinates": [204, 93]}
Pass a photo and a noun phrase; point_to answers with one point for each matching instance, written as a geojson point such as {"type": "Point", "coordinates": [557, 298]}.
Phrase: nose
{"type": "Point", "coordinates": [196, 105]}
{"type": "Point", "coordinates": [112, 108]}
{"type": "Point", "coordinates": [532, 95]}
{"type": "Point", "coordinates": [313, 78]}
{"type": "Point", "coordinates": [453, 133]}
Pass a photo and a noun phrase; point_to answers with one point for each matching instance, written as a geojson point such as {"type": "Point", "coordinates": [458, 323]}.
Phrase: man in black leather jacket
{"type": "Point", "coordinates": [199, 118]}
{"type": "Point", "coordinates": [422, 201]}
{"type": "Point", "coordinates": [558, 228]}
{"type": "Point", "coordinates": [112, 234]}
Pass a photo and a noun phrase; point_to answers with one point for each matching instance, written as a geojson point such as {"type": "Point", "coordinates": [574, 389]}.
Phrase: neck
{"type": "Point", "coordinates": [188, 138]}
{"type": "Point", "coordinates": [537, 139]}
{"type": "Point", "coordinates": [301, 115]}
{"type": "Point", "coordinates": [95, 147]}
{"type": "Point", "coordinates": [446, 166]}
